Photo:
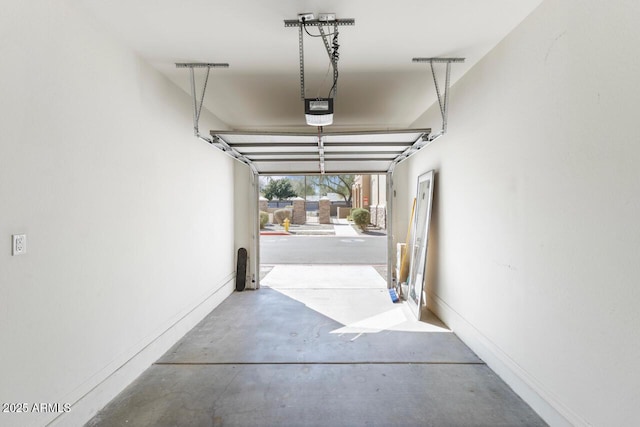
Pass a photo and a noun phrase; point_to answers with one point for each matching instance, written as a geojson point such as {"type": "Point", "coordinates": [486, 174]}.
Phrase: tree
{"type": "Point", "coordinates": [279, 189]}
{"type": "Point", "coordinates": [299, 182]}
{"type": "Point", "coordinates": [339, 184]}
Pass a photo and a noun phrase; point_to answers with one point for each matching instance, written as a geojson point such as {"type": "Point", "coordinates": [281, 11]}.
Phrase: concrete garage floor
{"type": "Point", "coordinates": [329, 350]}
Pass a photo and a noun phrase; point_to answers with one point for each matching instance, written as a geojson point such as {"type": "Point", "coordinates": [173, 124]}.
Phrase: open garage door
{"type": "Point", "coordinates": [320, 153]}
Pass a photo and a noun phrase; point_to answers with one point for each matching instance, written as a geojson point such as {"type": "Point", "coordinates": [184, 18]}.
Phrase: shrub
{"type": "Point", "coordinates": [264, 219]}
{"type": "Point", "coordinates": [280, 215]}
{"type": "Point", "coordinates": [361, 217]}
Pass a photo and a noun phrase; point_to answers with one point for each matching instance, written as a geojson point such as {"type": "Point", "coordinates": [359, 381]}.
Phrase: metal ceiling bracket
{"type": "Point", "coordinates": [315, 22]}
{"type": "Point", "coordinates": [202, 65]}
{"type": "Point", "coordinates": [330, 51]}
{"type": "Point", "coordinates": [443, 99]}
{"type": "Point", "coordinates": [443, 103]}
{"type": "Point", "coordinates": [197, 109]}
{"type": "Point", "coordinates": [301, 49]}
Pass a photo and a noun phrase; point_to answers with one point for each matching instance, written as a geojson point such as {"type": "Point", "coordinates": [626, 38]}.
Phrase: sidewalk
{"type": "Point", "coordinates": [299, 230]}
{"type": "Point", "coordinates": [342, 227]}
{"type": "Point", "coordinates": [338, 227]}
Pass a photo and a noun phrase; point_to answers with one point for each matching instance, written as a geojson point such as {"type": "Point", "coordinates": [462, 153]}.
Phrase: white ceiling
{"type": "Point", "coordinates": [379, 87]}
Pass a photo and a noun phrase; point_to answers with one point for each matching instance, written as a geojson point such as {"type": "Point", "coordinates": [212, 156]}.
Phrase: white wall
{"type": "Point", "coordinates": [127, 215]}
{"type": "Point", "coordinates": [534, 252]}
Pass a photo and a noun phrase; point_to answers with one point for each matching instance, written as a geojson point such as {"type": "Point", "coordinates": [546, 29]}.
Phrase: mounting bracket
{"type": "Point", "coordinates": [320, 24]}
{"type": "Point", "coordinates": [197, 109]}
{"type": "Point", "coordinates": [443, 99]}
{"type": "Point", "coordinates": [315, 22]}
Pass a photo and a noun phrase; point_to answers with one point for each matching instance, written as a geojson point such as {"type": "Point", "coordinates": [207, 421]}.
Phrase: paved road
{"type": "Point", "coordinates": [323, 250]}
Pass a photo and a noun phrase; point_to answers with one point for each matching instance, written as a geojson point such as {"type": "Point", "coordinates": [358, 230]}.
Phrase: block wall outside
{"type": "Point", "coordinates": [343, 212]}
{"type": "Point", "coordinates": [324, 215]}
{"type": "Point", "coordinates": [299, 213]}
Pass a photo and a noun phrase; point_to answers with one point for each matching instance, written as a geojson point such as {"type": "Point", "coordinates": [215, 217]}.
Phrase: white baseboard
{"type": "Point", "coordinates": [127, 369]}
{"type": "Point", "coordinates": [544, 403]}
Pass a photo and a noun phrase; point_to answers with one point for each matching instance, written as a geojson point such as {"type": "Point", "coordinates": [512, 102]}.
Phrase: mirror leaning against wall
{"type": "Point", "coordinates": [419, 242]}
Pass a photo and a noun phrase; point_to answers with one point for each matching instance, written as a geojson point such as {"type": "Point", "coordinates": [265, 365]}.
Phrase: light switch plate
{"type": "Point", "coordinates": [19, 244]}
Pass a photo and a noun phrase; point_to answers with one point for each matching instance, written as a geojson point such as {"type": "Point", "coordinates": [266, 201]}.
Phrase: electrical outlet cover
{"type": "Point", "coordinates": [19, 244]}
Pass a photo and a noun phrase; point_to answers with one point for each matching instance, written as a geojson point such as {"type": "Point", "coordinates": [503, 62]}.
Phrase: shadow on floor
{"type": "Point", "coordinates": [264, 359]}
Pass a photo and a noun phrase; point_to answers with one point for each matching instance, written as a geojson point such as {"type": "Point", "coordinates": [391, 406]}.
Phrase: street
{"type": "Point", "coordinates": [323, 250]}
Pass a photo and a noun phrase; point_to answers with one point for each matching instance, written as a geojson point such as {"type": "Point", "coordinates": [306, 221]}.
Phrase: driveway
{"type": "Point", "coordinates": [369, 250]}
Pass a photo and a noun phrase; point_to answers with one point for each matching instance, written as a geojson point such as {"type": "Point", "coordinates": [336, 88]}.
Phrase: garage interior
{"type": "Point", "coordinates": [128, 224]}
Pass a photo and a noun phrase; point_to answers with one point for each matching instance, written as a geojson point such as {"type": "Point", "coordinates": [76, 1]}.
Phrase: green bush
{"type": "Point", "coordinates": [264, 219]}
{"type": "Point", "coordinates": [280, 215]}
{"type": "Point", "coordinates": [361, 217]}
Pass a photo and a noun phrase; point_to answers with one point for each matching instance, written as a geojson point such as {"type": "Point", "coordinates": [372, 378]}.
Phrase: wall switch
{"type": "Point", "coordinates": [19, 244]}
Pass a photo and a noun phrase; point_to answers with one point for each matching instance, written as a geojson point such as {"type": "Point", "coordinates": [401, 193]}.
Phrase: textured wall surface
{"type": "Point", "coordinates": [533, 250]}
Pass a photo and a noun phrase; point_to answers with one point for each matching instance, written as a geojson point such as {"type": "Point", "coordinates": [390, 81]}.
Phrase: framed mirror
{"type": "Point", "coordinates": [419, 242]}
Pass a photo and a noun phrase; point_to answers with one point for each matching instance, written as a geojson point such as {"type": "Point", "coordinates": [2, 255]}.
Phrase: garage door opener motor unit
{"type": "Point", "coordinates": [319, 111]}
